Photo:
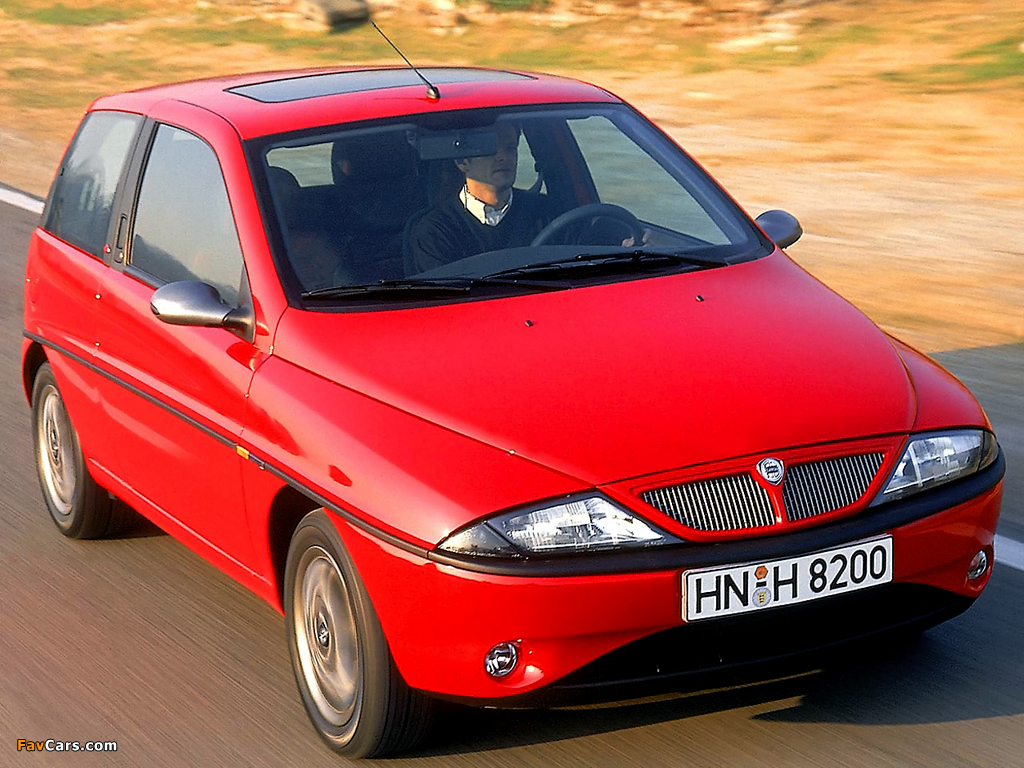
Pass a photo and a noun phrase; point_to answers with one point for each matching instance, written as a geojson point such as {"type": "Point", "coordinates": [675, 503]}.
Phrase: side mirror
{"type": "Point", "coordinates": [781, 227]}
{"type": "Point", "coordinates": [190, 302]}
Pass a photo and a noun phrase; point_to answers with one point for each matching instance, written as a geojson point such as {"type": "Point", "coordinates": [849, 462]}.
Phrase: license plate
{"type": "Point", "coordinates": [710, 593]}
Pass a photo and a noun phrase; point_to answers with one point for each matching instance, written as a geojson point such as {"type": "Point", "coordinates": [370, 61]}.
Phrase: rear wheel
{"type": "Point", "coordinates": [79, 507]}
{"type": "Point", "coordinates": [352, 691]}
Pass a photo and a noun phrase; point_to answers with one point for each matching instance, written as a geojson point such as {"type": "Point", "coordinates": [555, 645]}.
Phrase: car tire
{"type": "Point", "coordinates": [80, 508]}
{"type": "Point", "coordinates": [353, 692]}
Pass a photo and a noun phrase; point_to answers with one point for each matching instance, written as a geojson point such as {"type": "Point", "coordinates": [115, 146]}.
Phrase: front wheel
{"type": "Point", "coordinates": [353, 693]}
{"type": "Point", "coordinates": [79, 507]}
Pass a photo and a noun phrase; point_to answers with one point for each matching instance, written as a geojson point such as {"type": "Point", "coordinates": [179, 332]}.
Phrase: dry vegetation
{"type": "Point", "coordinates": [891, 129]}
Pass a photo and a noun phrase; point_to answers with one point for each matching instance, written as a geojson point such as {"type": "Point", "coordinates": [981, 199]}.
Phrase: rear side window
{"type": "Point", "coordinates": [184, 229]}
{"type": "Point", "coordinates": [82, 200]}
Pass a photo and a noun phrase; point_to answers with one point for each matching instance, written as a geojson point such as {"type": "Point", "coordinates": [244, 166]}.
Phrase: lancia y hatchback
{"type": "Point", "coordinates": [488, 387]}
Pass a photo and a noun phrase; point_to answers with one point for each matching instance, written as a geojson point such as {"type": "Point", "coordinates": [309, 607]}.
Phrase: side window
{"type": "Point", "coordinates": [526, 167]}
{"type": "Point", "coordinates": [184, 229]}
{"type": "Point", "coordinates": [82, 200]}
{"type": "Point", "coordinates": [309, 164]}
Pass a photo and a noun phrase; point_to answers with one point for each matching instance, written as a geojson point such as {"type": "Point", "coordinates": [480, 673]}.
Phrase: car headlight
{"type": "Point", "coordinates": [931, 460]}
{"type": "Point", "coordinates": [588, 524]}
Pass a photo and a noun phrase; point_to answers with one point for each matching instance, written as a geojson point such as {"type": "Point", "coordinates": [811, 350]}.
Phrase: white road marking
{"type": "Point", "coordinates": [20, 200]}
{"type": "Point", "coordinates": [1009, 552]}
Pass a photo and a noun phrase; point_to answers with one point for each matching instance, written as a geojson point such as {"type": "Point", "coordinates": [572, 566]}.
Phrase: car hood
{"type": "Point", "coordinates": [621, 380]}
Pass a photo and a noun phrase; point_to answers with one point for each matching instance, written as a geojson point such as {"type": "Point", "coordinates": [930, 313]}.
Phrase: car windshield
{"type": "Point", "coordinates": [494, 200]}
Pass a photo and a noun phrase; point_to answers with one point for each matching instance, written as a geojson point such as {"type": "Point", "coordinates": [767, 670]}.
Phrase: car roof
{"type": "Point", "coordinates": [274, 102]}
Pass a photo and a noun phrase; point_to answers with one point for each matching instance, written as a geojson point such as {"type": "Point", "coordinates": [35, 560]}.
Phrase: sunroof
{"type": "Point", "coordinates": [335, 83]}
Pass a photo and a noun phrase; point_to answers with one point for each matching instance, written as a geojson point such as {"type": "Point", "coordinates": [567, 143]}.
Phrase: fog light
{"type": "Point", "coordinates": [978, 566]}
{"type": "Point", "coordinates": [501, 659]}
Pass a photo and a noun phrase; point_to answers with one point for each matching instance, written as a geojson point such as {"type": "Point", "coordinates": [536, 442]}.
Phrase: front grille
{"type": "Point", "coordinates": [737, 502]}
{"type": "Point", "coordinates": [824, 486]}
{"type": "Point", "coordinates": [722, 504]}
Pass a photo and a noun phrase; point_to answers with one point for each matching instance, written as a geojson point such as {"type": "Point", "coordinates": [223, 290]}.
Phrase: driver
{"type": "Point", "coordinates": [486, 214]}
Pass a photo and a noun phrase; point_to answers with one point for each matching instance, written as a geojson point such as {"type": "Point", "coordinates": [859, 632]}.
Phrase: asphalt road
{"type": "Point", "coordinates": [139, 641]}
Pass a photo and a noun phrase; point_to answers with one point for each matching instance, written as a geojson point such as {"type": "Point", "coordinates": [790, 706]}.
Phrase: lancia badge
{"type": "Point", "coordinates": [772, 470]}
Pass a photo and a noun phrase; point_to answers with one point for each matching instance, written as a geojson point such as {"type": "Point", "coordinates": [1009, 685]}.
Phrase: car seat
{"type": "Point", "coordinates": [377, 183]}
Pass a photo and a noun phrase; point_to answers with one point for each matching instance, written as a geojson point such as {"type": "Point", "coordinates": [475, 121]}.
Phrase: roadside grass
{"type": "Point", "coordinates": [996, 64]}
{"type": "Point", "coordinates": [1000, 60]}
{"type": "Point", "coordinates": [56, 57]}
{"type": "Point", "coordinates": [77, 14]}
{"type": "Point", "coordinates": [517, 5]}
{"type": "Point", "coordinates": [503, 40]}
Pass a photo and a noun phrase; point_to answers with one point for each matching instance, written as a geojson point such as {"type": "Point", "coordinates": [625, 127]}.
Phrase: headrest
{"type": "Point", "coordinates": [282, 182]}
{"type": "Point", "coordinates": [285, 190]}
{"type": "Point", "coordinates": [372, 157]}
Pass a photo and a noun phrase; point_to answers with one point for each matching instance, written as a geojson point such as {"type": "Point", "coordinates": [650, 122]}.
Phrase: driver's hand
{"type": "Point", "coordinates": [629, 242]}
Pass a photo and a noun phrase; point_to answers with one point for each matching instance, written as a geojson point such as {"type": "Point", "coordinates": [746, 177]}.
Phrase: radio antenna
{"type": "Point", "coordinates": [432, 93]}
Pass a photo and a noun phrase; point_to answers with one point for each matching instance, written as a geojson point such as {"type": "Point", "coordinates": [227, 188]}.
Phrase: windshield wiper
{"type": "Point", "coordinates": [396, 288]}
{"type": "Point", "coordinates": [389, 287]}
{"type": "Point", "coordinates": [627, 261]}
{"type": "Point", "coordinates": [636, 260]}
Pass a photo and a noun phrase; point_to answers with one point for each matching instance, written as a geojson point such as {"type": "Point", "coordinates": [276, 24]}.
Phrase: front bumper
{"type": "Point", "coordinates": [583, 625]}
{"type": "Point", "coordinates": [737, 650]}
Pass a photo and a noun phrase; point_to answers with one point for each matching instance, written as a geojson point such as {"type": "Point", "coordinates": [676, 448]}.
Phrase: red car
{"type": "Point", "coordinates": [488, 387]}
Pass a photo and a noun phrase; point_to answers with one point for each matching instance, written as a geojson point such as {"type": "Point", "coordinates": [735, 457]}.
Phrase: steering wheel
{"type": "Point", "coordinates": [591, 211]}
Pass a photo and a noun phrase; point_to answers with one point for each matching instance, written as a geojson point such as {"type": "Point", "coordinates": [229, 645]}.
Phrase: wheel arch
{"type": "Point", "coordinates": [31, 361]}
{"type": "Point", "coordinates": [287, 509]}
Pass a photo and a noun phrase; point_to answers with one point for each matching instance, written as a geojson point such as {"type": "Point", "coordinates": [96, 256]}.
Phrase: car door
{"type": "Point", "coordinates": [68, 258]}
{"type": "Point", "coordinates": [178, 393]}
